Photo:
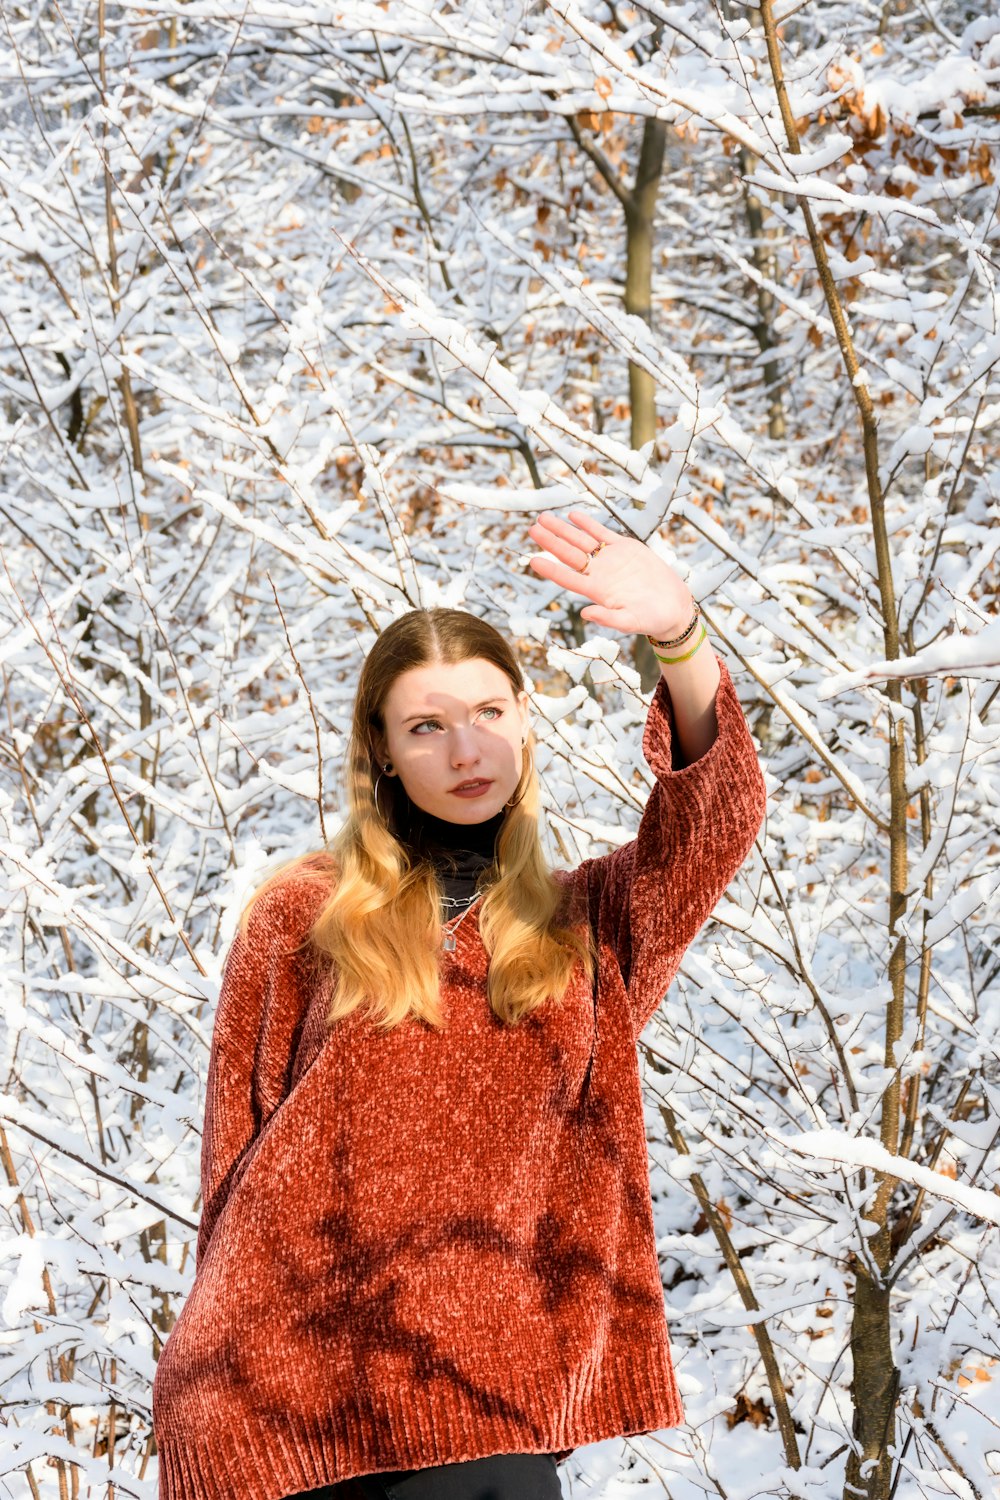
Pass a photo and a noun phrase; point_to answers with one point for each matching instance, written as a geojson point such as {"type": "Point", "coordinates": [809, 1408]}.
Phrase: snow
{"type": "Point", "coordinates": [956, 655]}
{"type": "Point", "coordinates": [364, 303]}
{"type": "Point", "coordinates": [858, 1151]}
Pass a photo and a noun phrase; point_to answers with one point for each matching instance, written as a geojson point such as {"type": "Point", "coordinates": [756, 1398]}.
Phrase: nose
{"type": "Point", "coordinates": [464, 750]}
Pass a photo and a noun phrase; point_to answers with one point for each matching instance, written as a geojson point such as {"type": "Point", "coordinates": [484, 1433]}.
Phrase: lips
{"type": "Point", "coordinates": [467, 786]}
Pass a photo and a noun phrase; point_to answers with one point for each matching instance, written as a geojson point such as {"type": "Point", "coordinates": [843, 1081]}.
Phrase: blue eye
{"type": "Point", "coordinates": [489, 709]}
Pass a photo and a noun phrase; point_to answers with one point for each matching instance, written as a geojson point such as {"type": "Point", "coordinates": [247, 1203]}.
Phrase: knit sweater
{"type": "Point", "coordinates": [420, 1247]}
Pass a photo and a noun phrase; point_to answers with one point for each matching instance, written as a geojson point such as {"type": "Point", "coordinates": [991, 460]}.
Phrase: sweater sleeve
{"type": "Point", "coordinates": [261, 1005]}
{"type": "Point", "coordinates": [649, 898]}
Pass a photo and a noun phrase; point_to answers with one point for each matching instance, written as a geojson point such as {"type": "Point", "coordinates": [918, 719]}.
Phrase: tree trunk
{"type": "Point", "coordinates": [639, 272]}
{"type": "Point", "coordinates": [875, 1383]}
{"type": "Point", "coordinates": [639, 300]}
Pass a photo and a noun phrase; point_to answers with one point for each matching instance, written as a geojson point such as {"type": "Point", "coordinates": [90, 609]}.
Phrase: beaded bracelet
{"type": "Point", "coordinates": [684, 633]}
{"type": "Point", "coordinates": [679, 640]}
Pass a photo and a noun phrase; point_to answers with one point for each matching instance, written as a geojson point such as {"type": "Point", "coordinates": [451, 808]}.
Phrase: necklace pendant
{"type": "Point", "coordinates": [449, 942]}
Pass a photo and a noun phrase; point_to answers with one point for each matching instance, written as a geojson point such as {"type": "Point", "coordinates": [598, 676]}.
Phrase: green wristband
{"type": "Point", "coordinates": [669, 660]}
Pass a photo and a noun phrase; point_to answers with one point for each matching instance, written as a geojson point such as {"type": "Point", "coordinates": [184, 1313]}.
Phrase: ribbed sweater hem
{"type": "Point", "coordinates": [262, 1461]}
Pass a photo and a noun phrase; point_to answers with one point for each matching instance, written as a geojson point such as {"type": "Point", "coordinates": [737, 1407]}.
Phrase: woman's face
{"type": "Point", "coordinates": [447, 725]}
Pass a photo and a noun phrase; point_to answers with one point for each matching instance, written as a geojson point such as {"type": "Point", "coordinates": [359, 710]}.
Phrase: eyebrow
{"type": "Point", "coordinates": [486, 703]}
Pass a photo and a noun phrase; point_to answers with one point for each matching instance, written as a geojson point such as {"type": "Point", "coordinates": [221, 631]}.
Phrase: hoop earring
{"type": "Point", "coordinates": [515, 800]}
{"type": "Point", "coordinates": [378, 778]}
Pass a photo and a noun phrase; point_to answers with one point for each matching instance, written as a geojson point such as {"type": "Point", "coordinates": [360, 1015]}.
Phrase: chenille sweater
{"type": "Point", "coordinates": [418, 1247]}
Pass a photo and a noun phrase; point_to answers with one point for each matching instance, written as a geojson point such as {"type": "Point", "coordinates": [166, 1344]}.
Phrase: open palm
{"type": "Point", "coordinates": [632, 589]}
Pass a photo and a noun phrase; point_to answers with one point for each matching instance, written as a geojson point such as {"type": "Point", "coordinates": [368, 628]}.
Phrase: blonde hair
{"type": "Point", "coordinates": [379, 928]}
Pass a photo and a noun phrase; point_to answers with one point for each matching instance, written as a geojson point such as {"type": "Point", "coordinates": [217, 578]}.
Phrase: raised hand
{"type": "Point", "coordinates": [632, 589]}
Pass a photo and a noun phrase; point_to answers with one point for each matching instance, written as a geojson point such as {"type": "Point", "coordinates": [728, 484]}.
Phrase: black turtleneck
{"type": "Point", "coordinates": [459, 852]}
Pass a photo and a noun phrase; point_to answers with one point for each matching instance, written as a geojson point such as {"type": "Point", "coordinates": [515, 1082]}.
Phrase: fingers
{"type": "Point", "coordinates": [594, 527]}
{"type": "Point", "coordinates": [557, 572]}
{"type": "Point", "coordinates": [571, 544]}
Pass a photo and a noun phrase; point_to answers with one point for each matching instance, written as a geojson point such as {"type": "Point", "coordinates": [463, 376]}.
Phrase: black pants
{"type": "Point", "coordinates": [501, 1476]}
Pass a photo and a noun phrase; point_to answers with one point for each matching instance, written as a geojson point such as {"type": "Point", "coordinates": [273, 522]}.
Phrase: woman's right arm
{"type": "Point", "coordinates": [650, 897]}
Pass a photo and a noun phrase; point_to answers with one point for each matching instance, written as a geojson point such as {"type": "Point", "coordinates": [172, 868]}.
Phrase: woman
{"type": "Point", "coordinates": [426, 1264]}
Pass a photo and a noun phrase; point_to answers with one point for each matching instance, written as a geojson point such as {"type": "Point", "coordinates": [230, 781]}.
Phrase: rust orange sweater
{"type": "Point", "coordinates": [422, 1247]}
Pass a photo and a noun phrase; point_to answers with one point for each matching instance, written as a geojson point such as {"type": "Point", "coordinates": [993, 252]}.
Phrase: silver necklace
{"type": "Point", "coordinates": [451, 926]}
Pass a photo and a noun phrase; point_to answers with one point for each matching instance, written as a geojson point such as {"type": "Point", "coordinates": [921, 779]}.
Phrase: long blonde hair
{"type": "Point", "coordinates": [379, 927]}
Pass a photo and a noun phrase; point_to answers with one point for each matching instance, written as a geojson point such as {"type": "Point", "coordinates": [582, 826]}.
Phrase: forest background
{"type": "Point", "coordinates": [305, 311]}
